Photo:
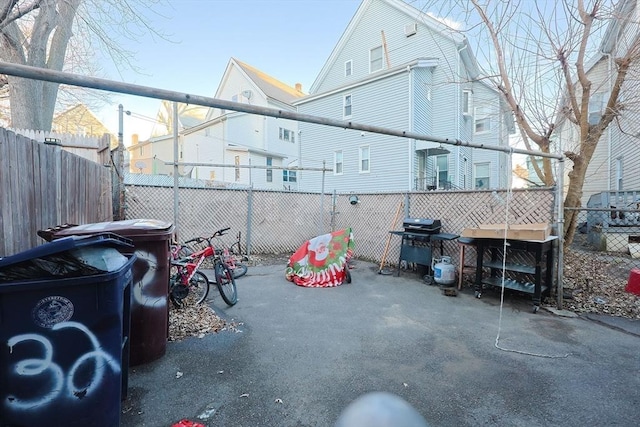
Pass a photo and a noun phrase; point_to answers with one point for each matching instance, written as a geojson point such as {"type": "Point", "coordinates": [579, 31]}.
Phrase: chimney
{"type": "Point", "coordinates": [134, 139]}
{"type": "Point", "coordinates": [299, 87]}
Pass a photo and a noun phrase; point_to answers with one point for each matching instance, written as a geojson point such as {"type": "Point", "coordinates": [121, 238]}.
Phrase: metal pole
{"type": "Point", "coordinates": [321, 224]}
{"type": "Point", "coordinates": [406, 205]}
{"type": "Point", "coordinates": [560, 204]}
{"type": "Point", "coordinates": [117, 180]}
{"type": "Point", "coordinates": [334, 200]}
{"type": "Point", "coordinates": [36, 73]}
{"type": "Point", "coordinates": [176, 192]}
{"type": "Point", "coordinates": [249, 217]}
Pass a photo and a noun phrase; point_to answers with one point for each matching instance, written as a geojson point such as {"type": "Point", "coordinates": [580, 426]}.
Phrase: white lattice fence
{"type": "Point", "coordinates": [371, 220]}
{"type": "Point", "coordinates": [282, 221]}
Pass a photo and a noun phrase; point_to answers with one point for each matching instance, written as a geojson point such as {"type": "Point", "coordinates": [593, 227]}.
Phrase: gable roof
{"type": "Point", "coordinates": [79, 115]}
{"type": "Point", "coordinates": [412, 13]}
{"type": "Point", "coordinates": [268, 85]}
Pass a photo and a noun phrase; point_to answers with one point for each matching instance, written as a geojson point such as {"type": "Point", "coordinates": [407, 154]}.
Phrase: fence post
{"type": "Point", "coordinates": [249, 217]}
{"type": "Point", "coordinates": [321, 223]}
{"type": "Point", "coordinates": [176, 189]}
{"type": "Point", "coordinates": [117, 182]}
{"type": "Point", "coordinates": [407, 211]}
{"type": "Point", "coordinates": [334, 200]}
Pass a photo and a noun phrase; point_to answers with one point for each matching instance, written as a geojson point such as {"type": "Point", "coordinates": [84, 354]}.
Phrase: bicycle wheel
{"type": "Point", "coordinates": [239, 270]}
{"type": "Point", "coordinates": [226, 284]}
{"type": "Point", "coordinates": [198, 288]}
{"type": "Point", "coordinates": [195, 293]}
{"type": "Point", "coordinates": [177, 291]}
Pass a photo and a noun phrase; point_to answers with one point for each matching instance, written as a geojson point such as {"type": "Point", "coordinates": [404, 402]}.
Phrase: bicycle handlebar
{"type": "Point", "coordinates": [221, 232]}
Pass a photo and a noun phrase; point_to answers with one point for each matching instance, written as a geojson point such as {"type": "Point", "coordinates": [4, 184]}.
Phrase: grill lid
{"type": "Point", "coordinates": [421, 225]}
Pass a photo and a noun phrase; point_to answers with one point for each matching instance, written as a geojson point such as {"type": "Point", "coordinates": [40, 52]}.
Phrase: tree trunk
{"type": "Point", "coordinates": [33, 101]}
{"type": "Point", "coordinates": [573, 199]}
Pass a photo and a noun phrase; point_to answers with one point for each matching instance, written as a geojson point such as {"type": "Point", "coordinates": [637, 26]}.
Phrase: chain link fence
{"type": "Point", "coordinates": [597, 265]}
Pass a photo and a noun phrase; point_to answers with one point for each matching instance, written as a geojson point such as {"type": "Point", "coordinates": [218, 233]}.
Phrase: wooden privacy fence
{"type": "Point", "coordinates": [42, 186]}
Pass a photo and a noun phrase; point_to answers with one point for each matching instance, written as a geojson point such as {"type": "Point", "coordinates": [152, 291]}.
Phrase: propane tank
{"type": "Point", "coordinates": [444, 273]}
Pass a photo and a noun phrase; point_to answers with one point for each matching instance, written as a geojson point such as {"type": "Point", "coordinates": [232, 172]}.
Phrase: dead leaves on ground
{"type": "Point", "coordinates": [196, 321]}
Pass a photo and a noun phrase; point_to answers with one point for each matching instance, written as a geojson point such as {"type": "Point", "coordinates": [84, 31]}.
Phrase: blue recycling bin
{"type": "Point", "coordinates": [64, 314]}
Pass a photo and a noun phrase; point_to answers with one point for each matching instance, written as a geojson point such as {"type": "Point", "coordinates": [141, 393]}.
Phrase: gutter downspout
{"type": "Point", "coordinates": [457, 118]}
{"type": "Point", "coordinates": [609, 138]}
{"type": "Point", "coordinates": [411, 143]}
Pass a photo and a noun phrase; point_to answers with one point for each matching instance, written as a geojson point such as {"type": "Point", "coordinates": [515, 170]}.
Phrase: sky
{"type": "Point", "coordinates": [287, 39]}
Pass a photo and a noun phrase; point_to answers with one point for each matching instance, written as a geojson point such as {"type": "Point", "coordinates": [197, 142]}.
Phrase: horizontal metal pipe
{"type": "Point", "coordinates": [227, 165]}
{"type": "Point", "coordinates": [150, 92]}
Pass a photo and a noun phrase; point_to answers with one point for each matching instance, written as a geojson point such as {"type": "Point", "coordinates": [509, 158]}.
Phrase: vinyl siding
{"type": "Point", "coordinates": [600, 173]}
{"type": "Point", "coordinates": [383, 103]}
{"type": "Point", "coordinates": [624, 138]}
{"type": "Point", "coordinates": [378, 17]}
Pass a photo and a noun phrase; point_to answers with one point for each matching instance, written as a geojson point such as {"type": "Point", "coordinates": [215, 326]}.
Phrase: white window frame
{"type": "Point", "coordinates": [347, 103]}
{"type": "Point", "coordinates": [338, 162]}
{"type": "Point", "coordinates": [286, 135]}
{"type": "Point", "coordinates": [467, 98]}
{"type": "Point", "coordinates": [365, 149]}
{"type": "Point", "coordinates": [487, 177]}
{"type": "Point", "coordinates": [269, 176]}
{"type": "Point", "coordinates": [481, 116]}
{"type": "Point", "coordinates": [348, 68]}
{"type": "Point", "coordinates": [440, 171]}
{"type": "Point", "coordinates": [596, 107]}
{"type": "Point", "coordinates": [372, 68]}
{"type": "Point", "coordinates": [289, 176]}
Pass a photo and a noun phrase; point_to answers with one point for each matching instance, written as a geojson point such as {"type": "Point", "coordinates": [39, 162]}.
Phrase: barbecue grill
{"type": "Point", "coordinates": [418, 237]}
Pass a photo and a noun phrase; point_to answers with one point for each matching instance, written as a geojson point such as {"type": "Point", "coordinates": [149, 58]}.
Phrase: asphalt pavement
{"type": "Point", "coordinates": [299, 356]}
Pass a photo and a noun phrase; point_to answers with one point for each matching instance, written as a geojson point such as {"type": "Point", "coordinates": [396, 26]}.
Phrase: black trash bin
{"type": "Point", "coordinates": [64, 313]}
{"type": "Point", "coordinates": [149, 303]}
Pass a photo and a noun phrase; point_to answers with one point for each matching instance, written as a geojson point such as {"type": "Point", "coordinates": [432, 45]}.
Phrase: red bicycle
{"type": "Point", "coordinates": [189, 283]}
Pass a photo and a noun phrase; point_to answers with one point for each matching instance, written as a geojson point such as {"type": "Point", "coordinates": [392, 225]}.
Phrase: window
{"type": "Point", "coordinates": [269, 171]}
{"type": "Point", "coordinates": [141, 150]}
{"type": "Point", "coordinates": [289, 176]}
{"type": "Point", "coordinates": [337, 162]}
{"type": "Point", "coordinates": [287, 135]}
{"type": "Point", "coordinates": [348, 68]}
{"type": "Point", "coordinates": [596, 107]}
{"type": "Point", "coordinates": [482, 176]}
{"type": "Point", "coordinates": [466, 102]}
{"type": "Point", "coordinates": [237, 163]}
{"type": "Point", "coordinates": [442, 164]}
{"type": "Point", "coordinates": [482, 120]}
{"type": "Point", "coordinates": [375, 59]}
{"type": "Point", "coordinates": [619, 174]}
{"type": "Point", "coordinates": [364, 158]}
{"type": "Point", "coordinates": [347, 106]}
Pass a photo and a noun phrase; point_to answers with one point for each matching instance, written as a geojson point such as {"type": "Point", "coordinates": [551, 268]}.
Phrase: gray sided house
{"type": "Point", "coordinates": [614, 165]}
{"type": "Point", "coordinates": [398, 68]}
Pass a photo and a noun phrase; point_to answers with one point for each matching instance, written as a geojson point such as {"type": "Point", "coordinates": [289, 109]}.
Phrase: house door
{"type": "Point", "coordinates": [421, 177]}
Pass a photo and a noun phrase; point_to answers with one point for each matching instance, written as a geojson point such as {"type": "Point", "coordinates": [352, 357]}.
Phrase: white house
{"type": "Point", "coordinates": [396, 67]}
{"type": "Point", "coordinates": [242, 139]}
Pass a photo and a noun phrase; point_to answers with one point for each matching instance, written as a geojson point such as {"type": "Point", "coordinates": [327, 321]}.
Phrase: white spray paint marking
{"type": "Point", "coordinates": [96, 355]}
{"type": "Point", "coordinates": [45, 366]}
{"type": "Point", "coordinates": [139, 294]}
{"type": "Point", "coordinates": [34, 367]}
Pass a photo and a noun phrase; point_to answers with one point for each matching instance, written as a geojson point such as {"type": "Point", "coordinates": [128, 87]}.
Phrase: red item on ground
{"type": "Point", "coordinates": [633, 285]}
{"type": "Point", "coordinates": [187, 423]}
